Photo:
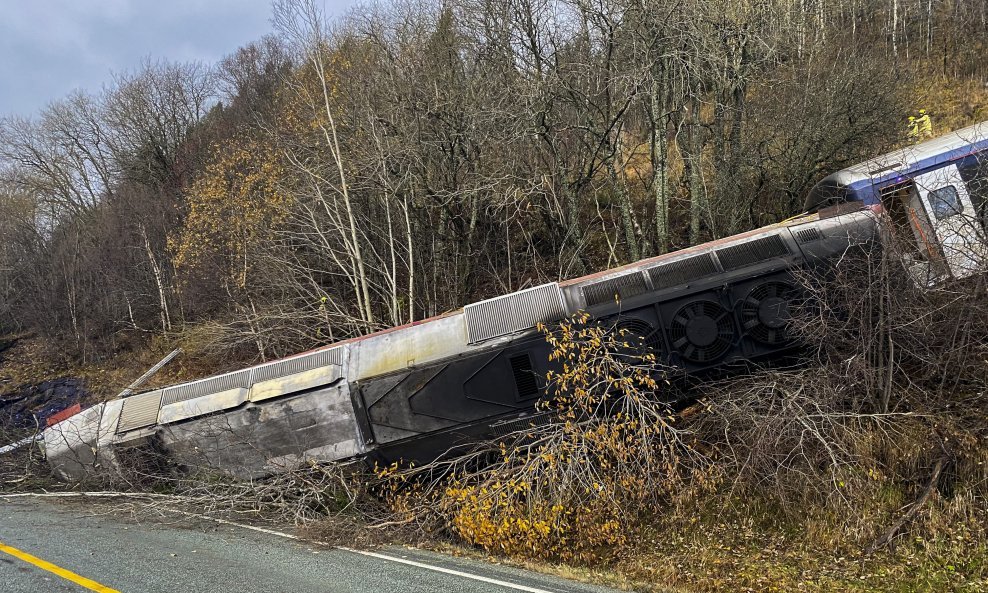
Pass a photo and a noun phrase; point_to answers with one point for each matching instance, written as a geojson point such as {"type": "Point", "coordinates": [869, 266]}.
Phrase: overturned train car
{"type": "Point", "coordinates": [415, 391]}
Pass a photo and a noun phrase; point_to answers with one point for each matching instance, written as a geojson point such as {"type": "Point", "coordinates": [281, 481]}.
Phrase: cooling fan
{"type": "Point", "coordinates": [640, 336]}
{"type": "Point", "coordinates": [701, 331]}
{"type": "Point", "coordinates": [765, 312]}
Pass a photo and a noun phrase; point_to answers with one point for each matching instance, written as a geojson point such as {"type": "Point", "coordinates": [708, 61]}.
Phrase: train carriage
{"type": "Point", "coordinates": [936, 193]}
{"type": "Point", "coordinates": [416, 391]}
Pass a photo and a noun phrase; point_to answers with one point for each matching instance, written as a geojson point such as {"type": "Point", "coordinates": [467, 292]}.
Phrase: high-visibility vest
{"type": "Point", "coordinates": [913, 133]}
{"type": "Point", "coordinates": [925, 125]}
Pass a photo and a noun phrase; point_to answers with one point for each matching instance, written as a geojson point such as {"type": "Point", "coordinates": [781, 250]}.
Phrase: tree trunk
{"type": "Point", "coordinates": [624, 200]}
{"type": "Point", "coordinates": [660, 159]}
{"type": "Point", "coordinates": [411, 261]}
{"type": "Point", "coordinates": [693, 157]}
{"type": "Point", "coordinates": [166, 320]}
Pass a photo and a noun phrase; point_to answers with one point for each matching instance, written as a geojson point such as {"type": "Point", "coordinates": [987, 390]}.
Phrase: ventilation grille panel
{"type": "Point", "coordinates": [622, 287]}
{"type": "Point", "coordinates": [752, 252]}
{"type": "Point", "coordinates": [525, 381]}
{"type": "Point", "coordinates": [503, 429]}
{"type": "Point", "coordinates": [682, 271]}
{"type": "Point", "coordinates": [489, 319]}
{"type": "Point", "coordinates": [541, 304]}
{"type": "Point", "coordinates": [299, 364]}
{"type": "Point", "coordinates": [181, 393]}
{"type": "Point", "coordinates": [807, 235]}
{"type": "Point", "coordinates": [139, 411]}
{"type": "Point", "coordinates": [513, 312]}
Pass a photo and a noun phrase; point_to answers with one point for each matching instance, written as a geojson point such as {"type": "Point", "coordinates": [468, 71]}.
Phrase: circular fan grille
{"type": "Point", "coordinates": [701, 331]}
{"type": "Point", "coordinates": [765, 312]}
{"type": "Point", "coordinates": [639, 334]}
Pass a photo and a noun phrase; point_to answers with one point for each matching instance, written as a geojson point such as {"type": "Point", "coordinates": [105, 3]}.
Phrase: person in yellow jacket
{"type": "Point", "coordinates": [924, 125]}
{"type": "Point", "coordinates": [912, 132]}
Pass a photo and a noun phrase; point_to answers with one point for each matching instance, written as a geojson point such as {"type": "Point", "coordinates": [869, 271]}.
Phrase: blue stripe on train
{"type": "Point", "coordinates": [868, 190]}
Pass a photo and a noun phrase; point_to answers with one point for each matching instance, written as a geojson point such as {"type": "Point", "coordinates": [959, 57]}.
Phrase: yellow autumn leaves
{"type": "Point", "coordinates": [575, 489]}
{"type": "Point", "coordinates": [246, 192]}
{"type": "Point", "coordinates": [232, 207]}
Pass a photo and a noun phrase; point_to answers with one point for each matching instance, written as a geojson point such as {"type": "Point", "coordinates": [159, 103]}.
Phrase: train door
{"type": "Point", "coordinates": [911, 227]}
{"type": "Point", "coordinates": [953, 220]}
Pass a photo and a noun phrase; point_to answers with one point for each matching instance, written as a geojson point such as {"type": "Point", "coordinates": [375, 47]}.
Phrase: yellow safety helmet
{"type": "Point", "coordinates": [922, 112]}
{"type": "Point", "coordinates": [911, 118]}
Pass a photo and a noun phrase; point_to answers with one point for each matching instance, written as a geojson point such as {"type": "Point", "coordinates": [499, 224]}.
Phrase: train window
{"type": "Point", "coordinates": [945, 202]}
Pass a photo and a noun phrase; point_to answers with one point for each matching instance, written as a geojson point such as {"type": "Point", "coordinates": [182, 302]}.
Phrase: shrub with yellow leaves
{"type": "Point", "coordinates": [574, 489]}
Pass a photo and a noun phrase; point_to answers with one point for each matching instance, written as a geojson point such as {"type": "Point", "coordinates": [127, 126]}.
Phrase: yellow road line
{"type": "Point", "coordinates": [65, 574]}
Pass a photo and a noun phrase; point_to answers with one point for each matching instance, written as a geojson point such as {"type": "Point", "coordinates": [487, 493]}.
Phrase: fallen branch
{"type": "Point", "coordinates": [892, 531]}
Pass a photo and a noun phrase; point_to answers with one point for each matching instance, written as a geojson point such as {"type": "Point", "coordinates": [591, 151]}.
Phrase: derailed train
{"type": "Point", "coordinates": [414, 391]}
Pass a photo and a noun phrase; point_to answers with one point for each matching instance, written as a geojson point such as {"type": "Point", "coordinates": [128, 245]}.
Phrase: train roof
{"type": "Point", "coordinates": [665, 257]}
{"type": "Point", "coordinates": [905, 161]}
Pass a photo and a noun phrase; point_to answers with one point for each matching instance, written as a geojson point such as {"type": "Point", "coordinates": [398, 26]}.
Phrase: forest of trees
{"type": "Point", "coordinates": [337, 177]}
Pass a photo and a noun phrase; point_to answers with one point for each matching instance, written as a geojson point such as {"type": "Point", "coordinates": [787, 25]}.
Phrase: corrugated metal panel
{"type": "Point", "coordinates": [513, 312]}
{"type": "Point", "coordinates": [489, 319]}
{"type": "Point", "coordinates": [299, 364]}
{"type": "Point", "coordinates": [187, 391]}
{"type": "Point", "coordinates": [541, 304]}
{"type": "Point", "coordinates": [752, 252]}
{"type": "Point", "coordinates": [139, 411]}
{"type": "Point", "coordinates": [682, 271]}
{"type": "Point", "coordinates": [622, 287]}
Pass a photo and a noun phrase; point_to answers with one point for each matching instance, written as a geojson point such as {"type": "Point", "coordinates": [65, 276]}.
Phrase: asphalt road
{"type": "Point", "coordinates": [57, 545]}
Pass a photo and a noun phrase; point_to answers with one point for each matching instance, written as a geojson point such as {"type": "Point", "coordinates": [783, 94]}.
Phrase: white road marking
{"type": "Point", "coordinates": [108, 494]}
{"type": "Point", "coordinates": [422, 565]}
{"type": "Point", "coordinates": [465, 575]}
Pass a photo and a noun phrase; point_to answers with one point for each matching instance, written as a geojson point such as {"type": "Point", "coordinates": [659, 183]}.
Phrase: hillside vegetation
{"type": "Point", "coordinates": [336, 178]}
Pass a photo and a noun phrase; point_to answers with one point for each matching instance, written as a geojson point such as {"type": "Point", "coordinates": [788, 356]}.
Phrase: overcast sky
{"type": "Point", "coordinates": [50, 47]}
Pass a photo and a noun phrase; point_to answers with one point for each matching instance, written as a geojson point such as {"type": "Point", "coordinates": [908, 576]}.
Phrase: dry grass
{"type": "Point", "coordinates": [32, 360]}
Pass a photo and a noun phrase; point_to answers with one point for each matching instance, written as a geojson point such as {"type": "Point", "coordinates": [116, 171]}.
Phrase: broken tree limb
{"type": "Point", "coordinates": [150, 373]}
{"type": "Point", "coordinates": [892, 531]}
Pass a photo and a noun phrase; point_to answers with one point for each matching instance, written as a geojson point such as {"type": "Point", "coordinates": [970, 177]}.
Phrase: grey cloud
{"type": "Point", "coordinates": [48, 48]}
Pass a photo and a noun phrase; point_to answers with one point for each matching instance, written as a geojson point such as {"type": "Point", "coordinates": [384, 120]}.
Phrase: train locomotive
{"type": "Point", "coordinates": [416, 391]}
